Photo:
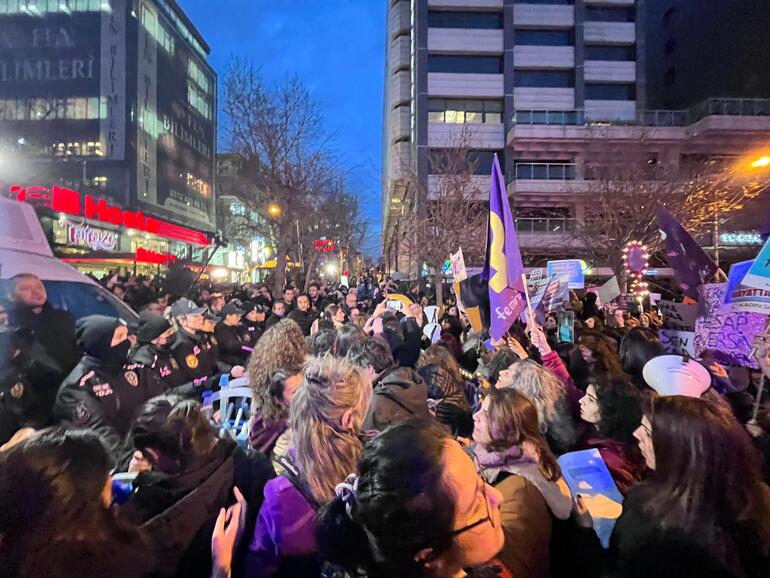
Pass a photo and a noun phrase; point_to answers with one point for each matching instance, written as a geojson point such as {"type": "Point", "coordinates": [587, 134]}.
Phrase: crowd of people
{"type": "Point", "coordinates": [374, 448]}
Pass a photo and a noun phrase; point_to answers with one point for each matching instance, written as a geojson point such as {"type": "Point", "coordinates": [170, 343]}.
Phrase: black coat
{"type": "Point", "coordinates": [177, 512]}
{"type": "Point", "coordinates": [52, 328]}
{"type": "Point", "coordinates": [196, 355]}
{"type": "Point", "coordinates": [230, 341]}
{"type": "Point", "coordinates": [161, 366]}
{"type": "Point", "coordinates": [304, 319]}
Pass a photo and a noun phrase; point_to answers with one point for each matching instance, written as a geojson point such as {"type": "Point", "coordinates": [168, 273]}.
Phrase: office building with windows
{"type": "Point", "coordinates": [111, 102]}
{"type": "Point", "coordinates": [552, 86]}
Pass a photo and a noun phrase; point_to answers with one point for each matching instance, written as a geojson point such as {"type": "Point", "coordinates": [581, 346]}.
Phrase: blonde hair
{"type": "Point", "coordinates": [281, 347]}
{"type": "Point", "coordinates": [327, 451]}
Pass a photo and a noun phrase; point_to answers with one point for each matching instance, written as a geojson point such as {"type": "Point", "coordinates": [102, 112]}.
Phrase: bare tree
{"type": "Point", "coordinates": [450, 214]}
{"type": "Point", "coordinates": [278, 130]}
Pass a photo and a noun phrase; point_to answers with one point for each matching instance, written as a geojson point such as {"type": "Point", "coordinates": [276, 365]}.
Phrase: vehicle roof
{"type": "Point", "coordinates": [20, 229]}
{"type": "Point", "coordinates": [47, 268]}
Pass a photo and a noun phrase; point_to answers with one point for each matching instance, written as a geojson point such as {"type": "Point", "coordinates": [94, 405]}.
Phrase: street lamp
{"type": "Point", "coordinates": [274, 210]}
{"type": "Point", "coordinates": [761, 162]}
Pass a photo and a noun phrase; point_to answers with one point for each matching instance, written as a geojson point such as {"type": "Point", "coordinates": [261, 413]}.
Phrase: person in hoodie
{"type": "Point", "coordinates": [399, 392]}
{"type": "Point", "coordinates": [302, 315]}
{"type": "Point", "coordinates": [229, 336]}
{"type": "Point", "coordinates": [515, 459]}
{"type": "Point", "coordinates": [193, 473]}
{"type": "Point", "coordinates": [101, 392]}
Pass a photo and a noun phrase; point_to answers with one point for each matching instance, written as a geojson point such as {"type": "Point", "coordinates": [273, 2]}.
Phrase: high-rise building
{"type": "Point", "coordinates": [706, 49]}
{"type": "Point", "coordinates": [553, 87]}
{"type": "Point", "coordinates": [109, 104]}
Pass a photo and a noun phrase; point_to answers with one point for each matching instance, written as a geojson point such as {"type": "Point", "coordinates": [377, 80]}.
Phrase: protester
{"type": "Point", "coordinates": [321, 342]}
{"type": "Point", "coordinates": [288, 299]}
{"type": "Point", "coordinates": [52, 328]}
{"type": "Point", "coordinates": [516, 460]}
{"type": "Point", "coordinates": [399, 392]}
{"type": "Point", "coordinates": [302, 314]}
{"type": "Point", "coordinates": [101, 393]}
{"type": "Point", "coordinates": [233, 349]}
{"type": "Point", "coordinates": [55, 515]}
{"type": "Point", "coordinates": [614, 410]}
{"type": "Point", "coordinates": [347, 336]}
{"type": "Point", "coordinates": [281, 347]}
{"type": "Point", "coordinates": [278, 314]}
{"type": "Point", "coordinates": [704, 511]}
{"type": "Point", "coordinates": [636, 349]}
{"type": "Point", "coordinates": [416, 509]}
{"type": "Point", "coordinates": [253, 322]}
{"type": "Point", "coordinates": [326, 418]}
{"type": "Point", "coordinates": [445, 382]}
{"type": "Point", "coordinates": [193, 473]}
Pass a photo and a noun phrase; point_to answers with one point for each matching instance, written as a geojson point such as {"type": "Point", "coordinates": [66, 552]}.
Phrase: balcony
{"type": "Point", "coordinates": [452, 84]}
{"type": "Point", "coordinates": [543, 15]}
{"type": "Point", "coordinates": [609, 32]}
{"type": "Point", "coordinates": [609, 71]}
{"type": "Point", "coordinates": [400, 18]}
{"type": "Point", "coordinates": [614, 111]}
{"type": "Point", "coordinates": [464, 41]}
{"type": "Point", "coordinates": [546, 98]}
{"type": "Point", "coordinates": [544, 57]}
{"type": "Point", "coordinates": [545, 171]}
{"type": "Point", "coordinates": [399, 54]}
{"type": "Point", "coordinates": [473, 135]}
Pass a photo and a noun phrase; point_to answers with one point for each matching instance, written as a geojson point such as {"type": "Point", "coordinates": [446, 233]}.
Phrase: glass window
{"type": "Point", "coordinates": [610, 14]}
{"type": "Point", "coordinates": [464, 19]}
{"type": "Point", "coordinates": [543, 1]}
{"type": "Point", "coordinates": [465, 111]}
{"type": "Point", "coordinates": [610, 92]}
{"type": "Point", "coordinates": [465, 64]}
{"type": "Point", "coordinates": [626, 53]}
{"type": "Point", "coordinates": [544, 78]}
{"type": "Point", "coordinates": [93, 107]}
{"type": "Point", "coordinates": [525, 37]}
{"type": "Point", "coordinates": [436, 116]}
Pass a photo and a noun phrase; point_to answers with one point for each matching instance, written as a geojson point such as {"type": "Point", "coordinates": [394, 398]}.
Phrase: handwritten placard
{"type": "Point", "coordinates": [730, 334]}
{"type": "Point", "coordinates": [677, 342]}
{"type": "Point", "coordinates": [678, 315]}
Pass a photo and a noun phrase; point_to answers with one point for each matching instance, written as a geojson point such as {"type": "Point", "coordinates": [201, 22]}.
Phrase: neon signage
{"type": "Point", "coordinates": [323, 245]}
{"type": "Point", "coordinates": [71, 202]}
{"type": "Point", "coordinates": [147, 256]}
{"type": "Point", "coordinates": [87, 236]}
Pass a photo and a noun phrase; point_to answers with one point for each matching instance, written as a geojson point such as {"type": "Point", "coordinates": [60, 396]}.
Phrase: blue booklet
{"type": "Point", "coordinates": [587, 475]}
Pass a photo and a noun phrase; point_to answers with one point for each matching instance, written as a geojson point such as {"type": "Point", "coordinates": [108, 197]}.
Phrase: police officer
{"type": "Point", "coordinates": [101, 392]}
{"type": "Point", "coordinates": [253, 322]}
{"type": "Point", "coordinates": [29, 380]}
{"type": "Point", "coordinates": [194, 351]}
{"type": "Point", "coordinates": [230, 336]}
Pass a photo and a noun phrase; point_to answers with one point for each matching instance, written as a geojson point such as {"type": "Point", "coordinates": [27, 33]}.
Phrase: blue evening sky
{"type": "Point", "coordinates": [336, 47]}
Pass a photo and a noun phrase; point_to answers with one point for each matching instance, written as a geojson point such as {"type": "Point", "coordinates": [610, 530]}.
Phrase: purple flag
{"type": "Point", "coordinates": [503, 267]}
{"type": "Point", "coordinates": [693, 267]}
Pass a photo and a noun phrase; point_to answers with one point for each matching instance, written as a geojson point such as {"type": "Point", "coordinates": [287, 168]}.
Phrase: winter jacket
{"type": "Point", "coordinates": [264, 433]}
{"type": "Point", "coordinates": [230, 342]}
{"type": "Point", "coordinates": [399, 394]}
{"type": "Point", "coordinates": [452, 409]}
{"type": "Point", "coordinates": [177, 512]}
{"type": "Point", "coordinates": [304, 319]}
{"type": "Point", "coordinates": [530, 503]}
{"type": "Point", "coordinates": [553, 362]}
{"type": "Point", "coordinates": [52, 328]}
{"type": "Point", "coordinates": [624, 461]}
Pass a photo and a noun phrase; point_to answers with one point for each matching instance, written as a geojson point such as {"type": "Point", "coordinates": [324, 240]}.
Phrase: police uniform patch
{"type": "Point", "coordinates": [132, 378]}
{"type": "Point", "coordinates": [17, 390]}
{"type": "Point", "coordinates": [191, 361]}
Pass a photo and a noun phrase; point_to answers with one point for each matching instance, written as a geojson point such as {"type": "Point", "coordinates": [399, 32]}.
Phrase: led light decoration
{"type": "Point", "coordinates": [635, 260]}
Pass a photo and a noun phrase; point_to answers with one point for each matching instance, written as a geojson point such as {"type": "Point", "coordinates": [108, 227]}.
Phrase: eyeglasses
{"type": "Point", "coordinates": [484, 520]}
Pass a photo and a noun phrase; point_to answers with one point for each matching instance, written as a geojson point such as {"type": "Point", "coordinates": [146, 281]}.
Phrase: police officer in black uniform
{"type": "Point", "coordinates": [29, 380]}
{"type": "Point", "coordinates": [230, 336]}
{"type": "Point", "coordinates": [194, 350]}
{"type": "Point", "coordinates": [102, 392]}
{"type": "Point", "coordinates": [253, 322]}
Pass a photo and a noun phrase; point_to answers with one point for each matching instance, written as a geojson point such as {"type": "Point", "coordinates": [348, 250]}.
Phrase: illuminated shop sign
{"type": "Point", "coordinates": [84, 235]}
{"type": "Point", "coordinates": [740, 238]}
{"type": "Point", "coordinates": [71, 202]}
{"type": "Point", "coordinates": [323, 245]}
{"type": "Point", "coordinates": [148, 256]}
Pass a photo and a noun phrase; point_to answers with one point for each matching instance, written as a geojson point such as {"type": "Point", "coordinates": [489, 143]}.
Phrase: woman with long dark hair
{"type": "Point", "coordinates": [613, 411]}
{"type": "Point", "coordinates": [515, 458]}
{"type": "Point", "coordinates": [55, 517]}
{"type": "Point", "coordinates": [637, 347]}
{"type": "Point", "coordinates": [417, 509]}
{"type": "Point", "coordinates": [705, 510]}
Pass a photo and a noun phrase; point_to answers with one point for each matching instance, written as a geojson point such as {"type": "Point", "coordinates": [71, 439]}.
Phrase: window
{"type": "Point", "coordinates": [524, 37]}
{"type": "Point", "coordinates": [465, 111]}
{"type": "Point", "coordinates": [626, 53]}
{"type": "Point", "coordinates": [544, 78]}
{"type": "Point", "coordinates": [458, 19]}
{"type": "Point", "coordinates": [79, 108]}
{"type": "Point", "coordinates": [466, 64]}
{"type": "Point", "coordinates": [543, 1]}
{"type": "Point", "coordinates": [610, 14]}
{"type": "Point", "coordinates": [610, 92]}
{"type": "Point", "coordinates": [481, 161]}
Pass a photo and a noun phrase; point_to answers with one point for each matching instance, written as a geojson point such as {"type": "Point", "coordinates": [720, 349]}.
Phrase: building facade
{"type": "Point", "coordinates": [552, 87]}
{"type": "Point", "coordinates": [107, 121]}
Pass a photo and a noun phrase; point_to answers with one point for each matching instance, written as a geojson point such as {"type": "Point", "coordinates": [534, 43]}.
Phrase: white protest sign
{"type": "Point", "coordinates": [677, 342]}
{"type": "Point", "coordinates": [459, 272]}
{"type": "Point", "coordinates": [609, 291]}
{"type": "Point", "coordinates": [431, 312]}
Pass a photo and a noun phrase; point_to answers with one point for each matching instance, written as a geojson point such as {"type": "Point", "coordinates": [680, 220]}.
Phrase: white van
{"type": "Point", "coordinates": [25, 249]}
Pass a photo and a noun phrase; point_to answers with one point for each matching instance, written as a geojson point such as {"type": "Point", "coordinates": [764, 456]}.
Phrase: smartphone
{"type": "Point", "coordinates": [395, 304]}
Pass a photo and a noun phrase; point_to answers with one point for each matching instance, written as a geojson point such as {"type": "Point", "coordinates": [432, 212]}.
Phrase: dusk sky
{"type": "Point", "coordinates": [336, 48]}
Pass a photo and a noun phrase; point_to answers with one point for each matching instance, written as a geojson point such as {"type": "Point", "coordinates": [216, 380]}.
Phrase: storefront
{"type": "Point", "coordinates": [96, 237]}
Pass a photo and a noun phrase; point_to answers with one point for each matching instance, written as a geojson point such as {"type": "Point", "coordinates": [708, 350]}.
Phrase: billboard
{"type": "Point", "coordinates": [176, 127]}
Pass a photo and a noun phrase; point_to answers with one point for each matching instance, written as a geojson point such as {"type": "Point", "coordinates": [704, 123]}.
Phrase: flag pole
{"type": "Point", "coordinates": [530, 314]}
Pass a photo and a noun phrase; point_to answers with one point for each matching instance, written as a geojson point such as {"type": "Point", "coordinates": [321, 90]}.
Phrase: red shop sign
{"type": "Point", "coordinates": [71, 202]}
{"type": "Point", "coordinates": [147, 256]}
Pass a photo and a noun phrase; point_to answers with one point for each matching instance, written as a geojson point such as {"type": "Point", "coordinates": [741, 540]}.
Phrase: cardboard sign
{"type": "Point", "coordinates": [609, 291]}
{"type": "Point", "coordinates": [730, 334]}
{"type": "Point", "coordinates": [677, 342]}
{"type": "Point", "coordinates": [758, 275]}
{"type": "Point", "coordinates": [587, 476]}
{"type": "Point", "coordinates": [459, 273]}
{"type": "Point", "coordinates": [678, 315]}
{"type": "Point", "coordinates": [431, 313]}
{"type": "Point", "coordinates": [741, 297]}
{"type": "Point", "coordinates": [555, 295]}
{"type": "Point", "coordinates": [570, 268]}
